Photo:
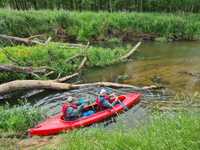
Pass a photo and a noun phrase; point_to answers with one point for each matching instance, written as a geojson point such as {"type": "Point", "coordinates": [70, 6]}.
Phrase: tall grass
{"type": "Point", "coordinates": [165, 131]}
{"type": "Point", "coordinates": [91, 26]}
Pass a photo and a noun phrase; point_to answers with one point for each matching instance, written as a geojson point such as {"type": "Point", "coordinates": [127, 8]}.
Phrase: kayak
{"type": "Point", "coordinates": [56, 124]}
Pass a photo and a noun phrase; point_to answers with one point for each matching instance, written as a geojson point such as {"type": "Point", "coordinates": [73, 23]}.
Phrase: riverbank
{"type": "Point", "coordinates": [163, 131]}
{"type": "Point", "coordinates": [101, 26]}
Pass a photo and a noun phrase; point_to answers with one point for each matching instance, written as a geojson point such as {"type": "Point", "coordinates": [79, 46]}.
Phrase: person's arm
{"type": "Point", "coordinates": [107, 104]}
{"type": "Point", "coordinates": [78, 110]}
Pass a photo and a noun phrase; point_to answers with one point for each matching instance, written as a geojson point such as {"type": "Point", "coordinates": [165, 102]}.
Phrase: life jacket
{"type": "Point", "coordinates": [99, 102]}
{"type": "Point", "coordinates": [110, 100]}
{"type": "Point", "coordinates": [66, 106]}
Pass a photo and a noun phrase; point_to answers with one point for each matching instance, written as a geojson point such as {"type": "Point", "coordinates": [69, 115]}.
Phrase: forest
{"type": "Point", "coordinates": [106, 5]}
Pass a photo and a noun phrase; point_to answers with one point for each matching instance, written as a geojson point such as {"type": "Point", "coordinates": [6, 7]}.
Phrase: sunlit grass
{"type": "Point", "coordinates": [164, 131]}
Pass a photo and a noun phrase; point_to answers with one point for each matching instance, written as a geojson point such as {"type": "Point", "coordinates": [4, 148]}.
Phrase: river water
{"type": "Point", "coordinates": [175, 66]}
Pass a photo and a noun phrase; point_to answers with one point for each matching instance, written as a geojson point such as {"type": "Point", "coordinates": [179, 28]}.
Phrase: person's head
{"type": "Point", "coordinates": [70, 99]}
{"type": "Point", "coordinates": [103, 92]}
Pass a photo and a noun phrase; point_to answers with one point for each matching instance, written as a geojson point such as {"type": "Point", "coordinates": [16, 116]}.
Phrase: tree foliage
{"type": "Point", "coordinates": [108, 5]}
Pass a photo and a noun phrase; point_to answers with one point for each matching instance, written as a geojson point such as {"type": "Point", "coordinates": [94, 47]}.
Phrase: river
{"type": "Point", "coordinates": [175, 66]}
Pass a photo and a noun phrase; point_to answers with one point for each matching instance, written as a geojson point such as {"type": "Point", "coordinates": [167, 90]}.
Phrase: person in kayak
{"type": "Point", "coordinates": [71, 110]}
{"type": "Point", "coordinates": [104, 100]}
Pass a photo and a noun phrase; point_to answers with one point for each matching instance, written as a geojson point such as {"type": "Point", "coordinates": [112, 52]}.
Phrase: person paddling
{"type": "Point", "coordinates": [104, 101]}
{"type": "Point", "coordinates": [71, 110]}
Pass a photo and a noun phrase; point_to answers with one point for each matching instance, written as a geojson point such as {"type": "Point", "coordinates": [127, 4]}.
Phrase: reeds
{"type": "Point", "coordinates": [91, 26]}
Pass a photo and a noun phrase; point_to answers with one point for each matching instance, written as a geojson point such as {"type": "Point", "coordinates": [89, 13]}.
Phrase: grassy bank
{"type": "Point", "coordinates": [16, 120]}
{"type": "Point", "coordinates": [164, 131]}
{"type": "Point", "coordinates": [84, 26]}
{"type": "Point", "coordinates": [55, 55]}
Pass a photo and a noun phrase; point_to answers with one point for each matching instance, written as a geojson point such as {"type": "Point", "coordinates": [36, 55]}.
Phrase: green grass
{"type": "Point", "coordinates": [18, 119]}
{"type": "Point", "coordinates": [165, 131]}
{"type": "Point", "coordinates": [91, 26]}
{"type": "Point", "coordinates": [54, 55]}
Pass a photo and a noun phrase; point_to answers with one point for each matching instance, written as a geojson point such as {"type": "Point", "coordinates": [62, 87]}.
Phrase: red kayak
{"type": "Point", "coordinates": [56, 124]}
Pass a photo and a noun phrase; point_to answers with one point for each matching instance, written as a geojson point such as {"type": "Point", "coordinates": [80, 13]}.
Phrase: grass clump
{"type": "Point", "coordinates": [164, 131]}
{"type": "Point", "coordinates": [18, 119]}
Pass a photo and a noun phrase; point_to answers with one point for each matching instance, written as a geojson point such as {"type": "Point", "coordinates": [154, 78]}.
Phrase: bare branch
{"type": "Point", "coordinates": [53, 85]}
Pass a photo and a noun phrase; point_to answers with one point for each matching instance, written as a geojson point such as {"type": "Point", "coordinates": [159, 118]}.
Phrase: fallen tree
{"type": "Point", "coordinates": [34, 71]}
{"type": "Point", "coordinates": [27, 70]}
{"type": "Point", "coordinates": [54, 85]}
{"type": "Point", "coordinates": [27, 41]}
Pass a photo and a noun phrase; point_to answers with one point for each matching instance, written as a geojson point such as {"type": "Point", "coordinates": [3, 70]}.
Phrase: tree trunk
{"type": "Point", "coordinates": [53, 85]}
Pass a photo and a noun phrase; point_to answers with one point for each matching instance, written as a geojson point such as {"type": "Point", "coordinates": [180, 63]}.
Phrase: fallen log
{"type": "Point", "coordinates": [53, 85]}
{"type": "Point", "coordinates": [27, 41]}
{"type": "Point", "coordinates": [16, 39]}
{"type": "Point", "coordinates": [27, 70]}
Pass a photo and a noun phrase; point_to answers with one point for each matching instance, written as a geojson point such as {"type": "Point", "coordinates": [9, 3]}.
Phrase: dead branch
{"type": "Point", "coordinates": [82, 63]}
{"type": "Point", "coordinates": [52, 85]}
{"type": "Point", "coordinates": [48, 40]}
{"type": "Point", "coordinates": [26, 70]}
{"type": "Point", "coordinates": [35, 36]}
{"type": "Point", "coordinates": [126, 56]}
{"type": "Point", "coordinates": [73, 57]}
{"type": "Point", "coordinates": [11, 58]}
{"type": "Point", "coordinates": [73, 45]}
{"type": "Point", "coordinates": [49, 73]}
{"type": "Point", "coordinates": [17, 39]}
{"type": "Point", "coordinates": [27, 41]}
{"type": "Point", "coordinates": [63, 79]}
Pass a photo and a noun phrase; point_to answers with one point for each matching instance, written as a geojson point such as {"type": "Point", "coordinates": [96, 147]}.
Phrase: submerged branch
{"type": "Point", "coordinates": [126, 56]}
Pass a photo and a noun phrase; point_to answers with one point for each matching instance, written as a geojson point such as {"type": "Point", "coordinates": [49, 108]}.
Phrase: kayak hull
{"type": "Point", "coordinates": [55, 124]}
